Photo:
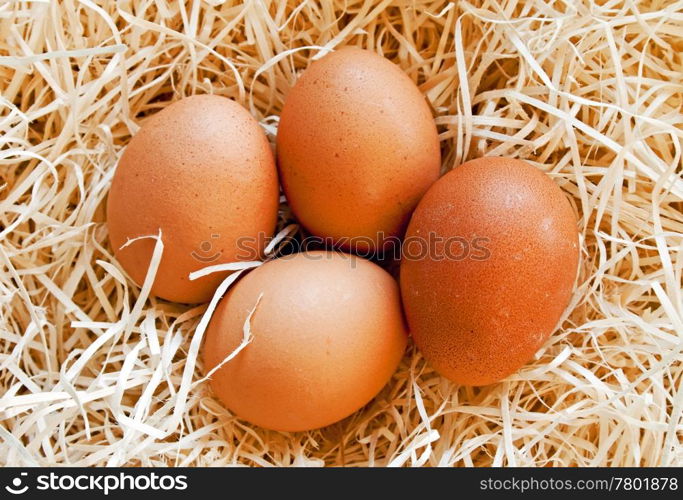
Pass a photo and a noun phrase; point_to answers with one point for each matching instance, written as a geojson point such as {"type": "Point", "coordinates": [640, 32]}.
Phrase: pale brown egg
{"type": "Point", "coordinates": [357, 148]}
{"type": "Point", "coordinates": [489, 263]}
{"type": "Point", "coordinates": [328, 333]}
{"type": "Point", "coordinates": [201, 171]}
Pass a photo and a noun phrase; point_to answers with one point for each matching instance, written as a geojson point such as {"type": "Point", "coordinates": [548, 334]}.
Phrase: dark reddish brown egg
{"type": "Point", "coordinates": [490, 259]}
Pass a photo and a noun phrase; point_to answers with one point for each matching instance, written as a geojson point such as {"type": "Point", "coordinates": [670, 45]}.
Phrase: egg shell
{"type": "Point", "coordinates": [328, 333]}
{"type": "Point", "coordinates": [357, 148]}
{"type": "Point", "coordinates": [480, 311]}
{"type": "Point", "coordinates": [202, 171]}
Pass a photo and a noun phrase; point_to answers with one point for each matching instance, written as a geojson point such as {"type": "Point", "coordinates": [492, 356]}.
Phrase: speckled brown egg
{"type": "Point", "coordinates": [202, 171]}
{"type": "Point", "coordinates": [490, 259]}
{"type": "Point", "coordinates": [328, 333]}
{"type": "Point", "coordinates": [357, 148]}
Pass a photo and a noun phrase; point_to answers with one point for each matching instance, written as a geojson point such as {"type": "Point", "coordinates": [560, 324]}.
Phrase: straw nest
{"type": "Point", "coordinates": [94, 371]}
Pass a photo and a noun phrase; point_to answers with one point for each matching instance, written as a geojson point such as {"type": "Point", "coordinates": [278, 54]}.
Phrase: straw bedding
{"type": "Point", "coordinates": [94, 371]}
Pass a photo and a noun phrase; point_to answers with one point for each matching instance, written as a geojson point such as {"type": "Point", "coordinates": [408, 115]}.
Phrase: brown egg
{"type": "Point", "coordinates": [490, 258]}
{"type": "Point", "coordinates": [357, 148]}
{"type": "Point", "coordinates": [328, 333]}
{"type": "Point", "coordinates": [203, 172]}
